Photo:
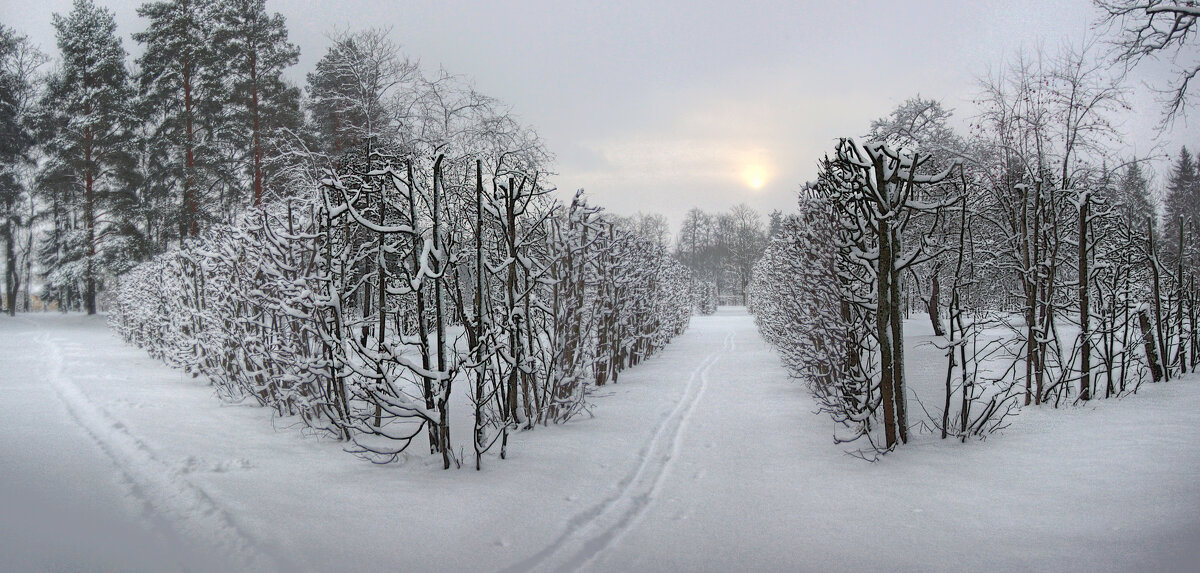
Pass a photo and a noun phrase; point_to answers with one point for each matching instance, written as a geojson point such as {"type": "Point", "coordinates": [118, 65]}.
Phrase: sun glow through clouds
{"type": "Point", "coordinates": [755, 176]}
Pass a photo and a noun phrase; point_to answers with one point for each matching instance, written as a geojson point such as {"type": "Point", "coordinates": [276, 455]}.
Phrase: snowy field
{"type": "Point", "coordinates": [704, 458]}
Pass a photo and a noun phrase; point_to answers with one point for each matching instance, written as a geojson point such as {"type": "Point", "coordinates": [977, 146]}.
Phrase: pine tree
{"type": "Point", "coordinates": [1182, 201]}
{"type": "Point", "coordinates": [87, 116]}
{"type": "Point", "coordinates": [775, 224]}
{"type": "Point", "coordinates": [346, 92]}
{"type": "Point", "coordinates": [182, 92]}
{"type": "Point", "coordinates": [15, 141]}
{"type": "Point", "coordinates": [1133, 199]}
{"type": "Point", "coordinates": [13, 135]}
{"type": "Point", "coordinates": [254, 45]}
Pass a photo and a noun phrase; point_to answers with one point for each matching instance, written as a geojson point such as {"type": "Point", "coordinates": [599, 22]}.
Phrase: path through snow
{"type": "Point", "coordinates": [703, 458]}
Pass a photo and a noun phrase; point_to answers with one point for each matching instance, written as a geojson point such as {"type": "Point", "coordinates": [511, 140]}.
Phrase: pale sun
{"type": "Point", "coordinates": [755, 176]}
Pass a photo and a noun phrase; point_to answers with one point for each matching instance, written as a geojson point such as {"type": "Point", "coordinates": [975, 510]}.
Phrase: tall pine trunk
{"type": "Point", "coordinates": [256, 136]}
{"type": "Point", "coordinates": [189, 225]}
{"type": "Point", "coordinates": [89, 222]}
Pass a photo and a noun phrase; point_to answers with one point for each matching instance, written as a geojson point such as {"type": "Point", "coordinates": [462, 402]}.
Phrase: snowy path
{"type": "Point", "coordinates": [704, 458]}
{"type": "Point", "coordinates": [756, 484]}
{"type": "Point", "coordinates": [595, 530]}
{"type": "Point", "coordinates": [71, 493]}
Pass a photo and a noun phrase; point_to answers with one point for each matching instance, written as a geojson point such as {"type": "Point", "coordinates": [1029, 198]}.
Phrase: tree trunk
{"type": "Point", "coordinates": [444, 381]}
{"type": "Point", "coordinates": [883, 314]}
{"type": "Point", "coordinates": [1085, 351]}
{"type": "Point", "coordinates": [419, 294]}
{"type": "Point", "coordinates": [12, 276]}
{"type": "Point", "coordinates": [934, 296]}
{"type": "Point", "coordinates": [1030, 296]}
{"type": "Point", "coordinates": [1037, 310]}
{"type": "Point", "coordinates": [1180, 352]}
{"type": "Point", "coordinates": [89, 222]}
{"type": "Point", "coordinates": [1156, 371]}
{"type": "Point", "coordinates": [1156, 296]}
{"type": "Point", "coordinates": [189, 225]}
{"type": "Point", "coordinates": [514, 336]}
{"type": "Point", "coordinates": [897, 325]}
{"type": "Point", "coordinates": [256, 136]}
{"type": "Point", "coordinates": [478, 351]}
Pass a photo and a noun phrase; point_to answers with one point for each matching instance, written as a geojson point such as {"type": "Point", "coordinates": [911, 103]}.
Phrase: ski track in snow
{"type": "Point", "coordinates": [592, 531]}
{"type": "Point", "coordinates": [167, 497]}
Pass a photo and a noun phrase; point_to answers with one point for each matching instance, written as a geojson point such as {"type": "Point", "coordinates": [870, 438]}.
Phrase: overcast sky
{"type": "Point", "coordinates": [662, 106]}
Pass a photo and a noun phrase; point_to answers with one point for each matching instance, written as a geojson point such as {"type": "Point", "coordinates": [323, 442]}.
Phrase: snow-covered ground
{"type": "Point", "coordinates": [703, 458]}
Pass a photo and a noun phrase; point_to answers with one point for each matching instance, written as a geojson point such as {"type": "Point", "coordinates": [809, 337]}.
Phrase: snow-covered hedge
{"type": "Point", "coordinates": [1096, 313]}
{"type": "Point", "coordinates": [706, 297]}
{"type": "Point", "coordinates": [799, 309]}
{"type": "Point", "coordinates": [361, 310]}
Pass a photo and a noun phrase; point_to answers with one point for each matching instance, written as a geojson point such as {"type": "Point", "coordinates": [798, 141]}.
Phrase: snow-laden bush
{"type": "Point", "coordinates": [239, 305]}
{"type": "Point", "coordinates": [828, 293]}
{"type": "Point", "coordinates": [797, 300]}
{"type": "Point", "coordinates": [360, 310]}
{"type": "Point", "coordinates": [705, 294]}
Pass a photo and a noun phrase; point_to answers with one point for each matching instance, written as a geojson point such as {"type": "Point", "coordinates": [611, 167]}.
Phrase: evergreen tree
{"type": "Point", "coordinates": [182, 94]}
{"type": "Point", "coordinates": [1133, 199]}
{"type": "Point", "coordinates": [13, 135]}
{"type": "Point", "coordinates": [15, 142]}
{"type": "Point", "coordinates": [87, 114]}
{"type": "Point", "coordinates": [254, 45]}
{"type": "Point", "coordinates": [775, 225]}
{"type": "Point", "coordinates": [1182, 202]}
{"type": "Point", "coordinates": [346, 92]}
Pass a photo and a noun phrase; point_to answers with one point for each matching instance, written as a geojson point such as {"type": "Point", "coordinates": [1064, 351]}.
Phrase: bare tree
{"type": "Point", "coordinates": [747, 241]}
{"type": "Point", "coordinates": [1157, 29]}
{"type": "Point", "coordinates": [922, 125]}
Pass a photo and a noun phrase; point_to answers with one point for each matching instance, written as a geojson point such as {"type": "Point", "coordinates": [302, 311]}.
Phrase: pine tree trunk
{"type": "Point", "coordinates": [12, 277]}
{"type": "Point", "coordinates": [189, 224]}
{"type": "Point", "coordinates": [256, 136]}
{"type": "Point", "coordinates": [89, 222]}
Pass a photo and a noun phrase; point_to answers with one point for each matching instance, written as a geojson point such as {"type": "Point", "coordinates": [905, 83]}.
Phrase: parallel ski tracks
{"type": "Point", "coordinates": [589, 533]}
{"type": "Point", "coordinates": [168, 498]}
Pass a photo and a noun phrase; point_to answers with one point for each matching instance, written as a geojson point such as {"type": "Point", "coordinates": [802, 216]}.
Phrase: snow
{"type": "Point", "coordinates": [703, 458]}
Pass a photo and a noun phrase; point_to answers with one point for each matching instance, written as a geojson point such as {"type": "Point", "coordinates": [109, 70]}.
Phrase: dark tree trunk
{"type": "Point", "coordinates": [1085, 351]}
{"type": "Point", "coordinates": [1156, 371]}
{"type": "Point", "coordinates": [12, 277]}
{"type": "Point", "coordinates": [189, 226]}
{"type": "Point", "coordinates": [89, 222]}
{"type": "Point", "coordinates": [934, 297]}
{"type": "Point", "coordinates": [254, 129]}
